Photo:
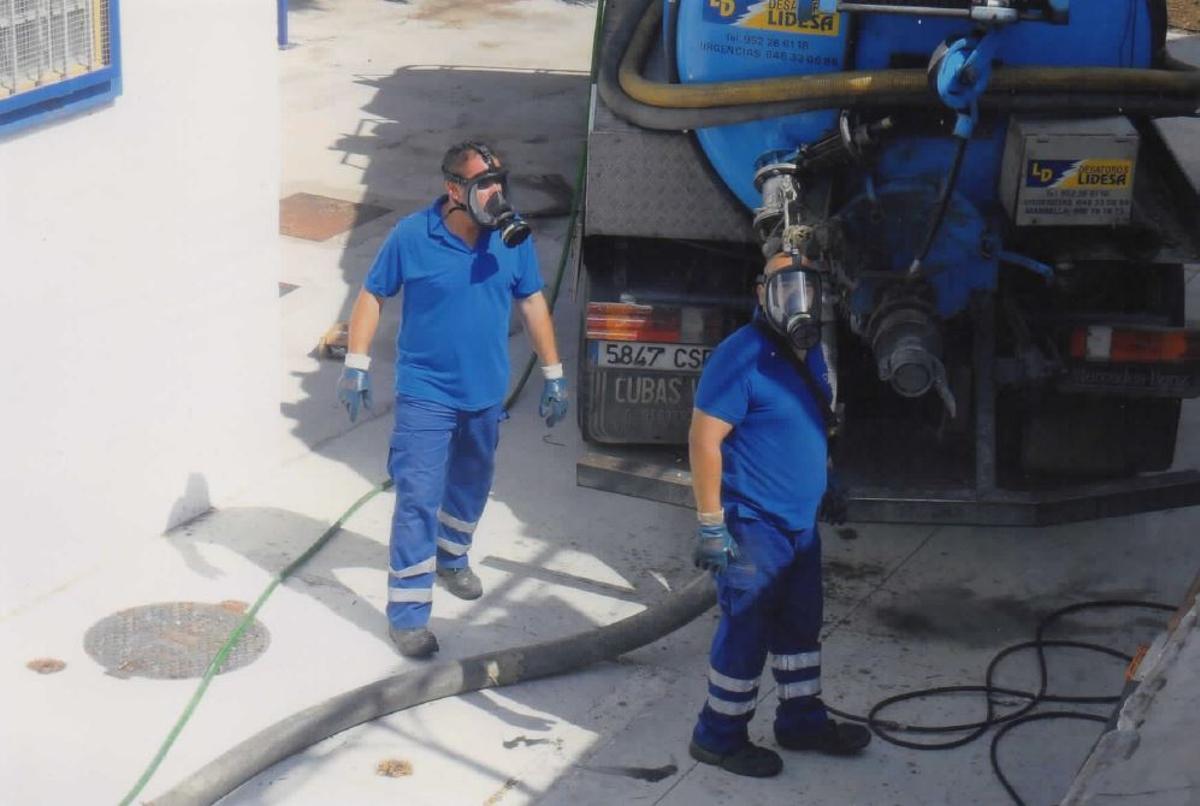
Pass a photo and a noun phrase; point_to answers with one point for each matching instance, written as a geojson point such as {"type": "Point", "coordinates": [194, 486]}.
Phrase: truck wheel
{"type": "Point", "coordinates": [1075, 435]}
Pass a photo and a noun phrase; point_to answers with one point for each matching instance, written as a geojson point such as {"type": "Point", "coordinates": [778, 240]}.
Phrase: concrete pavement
{"type": "Point", "coordinates": [372, 92]}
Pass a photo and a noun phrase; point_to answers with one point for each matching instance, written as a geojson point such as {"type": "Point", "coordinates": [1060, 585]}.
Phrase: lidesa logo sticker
{"type": "Point", "coordinates": [772, 15]}
{"type": "Point", "coordinates": [1090, 174]}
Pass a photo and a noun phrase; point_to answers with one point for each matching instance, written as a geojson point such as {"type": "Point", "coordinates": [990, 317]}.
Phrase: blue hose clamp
{"type": "Point", "coordinates": [959, 72]}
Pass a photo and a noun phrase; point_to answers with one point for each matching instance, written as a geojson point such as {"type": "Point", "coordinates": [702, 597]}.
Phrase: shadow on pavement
{"type": "Point", "coordinates": [535, 119]}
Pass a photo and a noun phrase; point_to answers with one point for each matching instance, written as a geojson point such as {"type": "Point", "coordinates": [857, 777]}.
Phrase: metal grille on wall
{"type": "Point", "coordinates": [44, 42]}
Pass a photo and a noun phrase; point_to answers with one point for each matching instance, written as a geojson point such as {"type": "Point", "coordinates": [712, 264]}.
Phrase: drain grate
{"type": "Point", "coordinates": [318, 218]}
{"type": "Point", "coordinates": [172, 640]}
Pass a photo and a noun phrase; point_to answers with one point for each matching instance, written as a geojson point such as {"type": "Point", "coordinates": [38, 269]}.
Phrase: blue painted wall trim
{"type": "Point", "coordinates": [281, 23]}
{"type": "Point", "coordinates": [66, 98]}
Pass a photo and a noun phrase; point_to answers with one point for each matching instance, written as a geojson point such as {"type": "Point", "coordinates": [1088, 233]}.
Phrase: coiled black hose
{"type": "Point", "coordinates": [887, 730]}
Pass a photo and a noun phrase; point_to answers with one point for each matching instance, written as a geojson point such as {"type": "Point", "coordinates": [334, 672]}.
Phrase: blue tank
{"type": "Point", "coordinates": [754, 40]}
{"type": "Point", "coordinates": [722, 40]}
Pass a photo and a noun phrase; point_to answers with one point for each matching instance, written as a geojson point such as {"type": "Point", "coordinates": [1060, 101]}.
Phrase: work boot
{"type": "Point", "coordinates": [749, 760]}
{"type": "Point", "coordinates": [462, 582]}
{"type": "Point", "coordinates": [836, 739]}
{"type": "Point", "coordinates": [415, 643]}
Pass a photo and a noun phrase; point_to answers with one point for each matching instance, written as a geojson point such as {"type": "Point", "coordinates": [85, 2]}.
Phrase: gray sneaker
{"type": "Point", "coordinates": [462, 582]}
{"type": "Point", "coordinates": [416, 643]}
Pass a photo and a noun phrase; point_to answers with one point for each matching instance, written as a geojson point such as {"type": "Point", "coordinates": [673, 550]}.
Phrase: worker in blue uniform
{"type": "Point", "coordinates": [759, 452]}
{"type": "Point", "coordinates": [461, 262]}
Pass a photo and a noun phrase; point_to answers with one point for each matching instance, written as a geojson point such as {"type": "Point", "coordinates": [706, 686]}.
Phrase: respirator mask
{"type": "Point", "coordinates": [487, 199]}
{"type": "Point", "coordinates": [792, 304]}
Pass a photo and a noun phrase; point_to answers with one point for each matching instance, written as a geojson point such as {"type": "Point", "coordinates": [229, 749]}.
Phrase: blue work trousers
{"type": "Point", "coordinates": [442, 461]}
{"type": "Point", "coordinates": [771, 601]}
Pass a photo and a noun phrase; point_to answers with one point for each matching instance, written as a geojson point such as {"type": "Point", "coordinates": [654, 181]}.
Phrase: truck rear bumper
{"type": "Point", "coordinates": [661, 474]}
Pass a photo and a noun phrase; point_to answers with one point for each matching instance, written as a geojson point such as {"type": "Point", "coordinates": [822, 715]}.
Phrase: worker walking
{"type": "Point", "coordinates": [758, 452]}
{"type": "Point", "coordinates": [461, 263]}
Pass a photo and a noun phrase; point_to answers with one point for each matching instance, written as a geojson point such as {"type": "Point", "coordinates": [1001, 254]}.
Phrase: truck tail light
{"type": "Point", "coordinates": [626, 321]}
{"type": "Point", "coordinates": [623, 321]}
{"type": "Point", "coordinates": [1130, 345]}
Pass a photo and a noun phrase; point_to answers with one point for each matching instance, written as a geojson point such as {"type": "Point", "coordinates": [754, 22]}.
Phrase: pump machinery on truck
{"type": "Point", "coordinates": [1000, 224]}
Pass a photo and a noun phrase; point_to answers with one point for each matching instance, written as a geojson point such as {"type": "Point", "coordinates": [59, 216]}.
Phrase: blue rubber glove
{"type": "Point", "coordinates": [354, 389]}
{"type": "Point", "coordinates": [714, 549]}
{"type": "Point", "coordinates": [554, 400]}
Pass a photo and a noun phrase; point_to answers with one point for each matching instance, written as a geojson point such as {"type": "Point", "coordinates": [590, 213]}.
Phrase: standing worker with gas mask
{"type": "Point", "coordinates": [461, 262]}
{"type": "Point", "coordinates": [758, 445]}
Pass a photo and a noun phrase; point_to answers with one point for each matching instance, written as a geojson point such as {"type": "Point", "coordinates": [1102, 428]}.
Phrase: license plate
{"type": "Point", "coordinates": [629, 405]}
{"type": "Point", "coordinates": [650, 355]}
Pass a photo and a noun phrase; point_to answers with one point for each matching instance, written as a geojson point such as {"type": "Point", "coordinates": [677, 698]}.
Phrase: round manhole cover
{"type": "Point", "coordinates": [172, 640]}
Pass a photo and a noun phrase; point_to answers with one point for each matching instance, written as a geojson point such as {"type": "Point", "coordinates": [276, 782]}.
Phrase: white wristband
{"type": "Point", "coordinates": [711, 518]}
{"type": "Point", "coordinates": [552, 372]}
{"type": "Point", "coordinates": [358, 361]}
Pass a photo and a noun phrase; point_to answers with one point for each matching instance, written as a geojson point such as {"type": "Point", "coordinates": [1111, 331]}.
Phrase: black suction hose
{"type": "Point", "coordinates": [490, 670]}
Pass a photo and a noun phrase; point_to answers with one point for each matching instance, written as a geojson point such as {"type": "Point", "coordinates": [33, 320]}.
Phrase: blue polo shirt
{"type": "Point", "coordinates": [452, 347]}
{"type": "Point", "coordinates": [773, 462]}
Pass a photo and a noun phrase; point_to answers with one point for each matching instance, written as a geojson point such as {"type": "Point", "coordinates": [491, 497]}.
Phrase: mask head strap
{"type": "Point", "coordinates": [798, 263]}
{"type": "Point", "coordinates": [485, 153]}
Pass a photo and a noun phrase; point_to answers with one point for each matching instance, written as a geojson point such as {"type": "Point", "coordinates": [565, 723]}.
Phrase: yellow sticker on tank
{"type": "Point", "coordinates": [774, 15]}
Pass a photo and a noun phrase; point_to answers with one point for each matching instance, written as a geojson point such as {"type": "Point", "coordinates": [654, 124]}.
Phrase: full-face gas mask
{"type": "Point", "coordinates": [487, 199]}
{"type": "Point", "coordinates": [792, 304]}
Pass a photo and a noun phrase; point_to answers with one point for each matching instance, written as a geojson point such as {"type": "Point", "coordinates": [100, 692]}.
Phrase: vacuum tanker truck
{"type": "Point", "coordinates": [1000, 218]}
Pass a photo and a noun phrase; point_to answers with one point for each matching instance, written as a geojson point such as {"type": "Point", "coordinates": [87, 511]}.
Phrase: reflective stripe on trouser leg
{"type": "Point", "coordinates": [731, 696]}
{"type": "Point", "coordinates": [424, 567]}
{"type": "Point", "coordinates": [417, 464]}
{"type": "Point", "coordinates": [747, 593]}
{"type": "Point", "coordinates": [797, 674]}
{"type": "Point", "coordinates": [468, 480]}
{"type": "Point", "coordinates": [410, 595]}
{"type": "Point", "coordinates": [796, 643]}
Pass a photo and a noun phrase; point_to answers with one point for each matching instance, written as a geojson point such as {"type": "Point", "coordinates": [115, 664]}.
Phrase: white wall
{"type": "Point", "coordinates": [138, 296]}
